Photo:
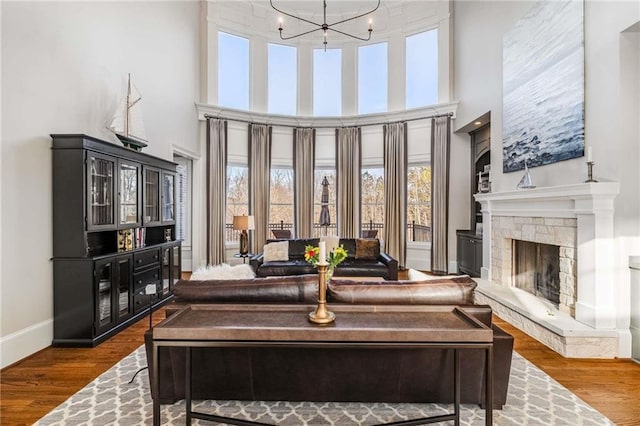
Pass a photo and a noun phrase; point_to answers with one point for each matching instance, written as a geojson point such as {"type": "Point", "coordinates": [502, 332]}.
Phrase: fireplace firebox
{"type": "Point", "coordinates": [536, 269]}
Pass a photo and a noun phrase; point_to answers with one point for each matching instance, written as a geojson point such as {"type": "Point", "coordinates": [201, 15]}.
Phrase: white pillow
{"type": "Point", "coordinates": [276, 251]}
{"type": "Point", "coordinates": [223, 272]}
{"type": "Point", "coordinates": [421, 276]}
{"type": "Point", "coordinates": [331, 241]}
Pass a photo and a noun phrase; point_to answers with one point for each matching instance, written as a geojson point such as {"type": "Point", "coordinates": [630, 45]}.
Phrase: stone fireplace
{"type": "Point", "coordinates": [548, 258]}
{"type": "Point", "coordinates": [535, 237]}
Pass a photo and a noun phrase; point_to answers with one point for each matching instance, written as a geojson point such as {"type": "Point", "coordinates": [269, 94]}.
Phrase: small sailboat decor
{"type": "Point", "coordinates": [127, 121]}
{"type": "Point", "coordinates": [526, 182]}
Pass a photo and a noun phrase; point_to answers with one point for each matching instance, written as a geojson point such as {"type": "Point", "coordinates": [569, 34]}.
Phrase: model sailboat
{"type": "Point", "coordinates": [526, 182]}
{"type": "Point", "coordinates": [127, 120]}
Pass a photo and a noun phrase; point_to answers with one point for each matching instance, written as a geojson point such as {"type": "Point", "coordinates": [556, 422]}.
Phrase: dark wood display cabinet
{"type": "Point", "coordinates": [113, 236]}
{"type": "Point", "coordinates": [469, 253]}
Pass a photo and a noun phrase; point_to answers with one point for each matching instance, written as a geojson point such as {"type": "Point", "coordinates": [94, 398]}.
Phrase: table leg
{"type": "Point", "coordinates": [488, 402]}
{"type": "Point", "coordinates": [156, 386]}
{"type": "Point", "coordinates": [187, 385]}
{"type": "Point", "coordinates": [456, 386]}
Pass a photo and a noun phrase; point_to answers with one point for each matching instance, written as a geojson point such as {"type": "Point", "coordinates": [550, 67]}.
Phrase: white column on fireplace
{"type": "Point", "coordinates": [592, 205]}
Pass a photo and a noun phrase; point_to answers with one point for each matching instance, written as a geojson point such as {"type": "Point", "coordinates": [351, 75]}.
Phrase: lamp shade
{"type": "Point", "coordinates": [243, 223]}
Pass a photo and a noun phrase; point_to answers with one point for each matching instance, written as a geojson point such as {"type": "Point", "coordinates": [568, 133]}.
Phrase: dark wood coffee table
{"type": "Point", "coordinates": [374, 327]}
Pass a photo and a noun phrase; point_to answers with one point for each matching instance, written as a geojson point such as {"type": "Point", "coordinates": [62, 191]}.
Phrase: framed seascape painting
{"type": "Point", "coordinates": [543, 86]}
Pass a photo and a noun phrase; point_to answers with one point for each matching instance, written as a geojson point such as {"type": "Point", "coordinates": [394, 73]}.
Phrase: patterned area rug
{"type": "Point", "coordinates": [534, 398]}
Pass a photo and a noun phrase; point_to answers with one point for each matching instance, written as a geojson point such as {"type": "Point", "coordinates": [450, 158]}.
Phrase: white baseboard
{"type": "Point", "coordinates": [22, 343]}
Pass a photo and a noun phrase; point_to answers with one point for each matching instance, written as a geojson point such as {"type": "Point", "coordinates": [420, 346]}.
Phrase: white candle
{"type": "Point", "coordinates": [322, 256]}
{"type": "Point", "coordinates": [589, 157]}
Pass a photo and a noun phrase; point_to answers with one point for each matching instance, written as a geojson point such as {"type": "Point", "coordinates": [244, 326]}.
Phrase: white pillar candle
{"type": "Point", "coordinates": [322, 256]}
{"type": "Point", "coordinates": [589, 157]}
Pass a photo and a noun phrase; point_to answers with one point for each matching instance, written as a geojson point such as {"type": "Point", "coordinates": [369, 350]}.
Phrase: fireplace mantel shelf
{"type": "Point", "coordinates": [574, 191]}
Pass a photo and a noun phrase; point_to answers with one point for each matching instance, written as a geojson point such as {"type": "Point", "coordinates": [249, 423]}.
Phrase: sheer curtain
{"type": "Point", "coordinates": [440, 141]}
{"type": "Point", "coordinates": [259, 181]}
{"type": "Point", "coordinates": [395, 191]}
{"type": "Point", "coordinates": [304, 155]}
{"type": "Point", "coordinates": [348, 165]}
{"type": "Point", "coordinates": [216, 189]}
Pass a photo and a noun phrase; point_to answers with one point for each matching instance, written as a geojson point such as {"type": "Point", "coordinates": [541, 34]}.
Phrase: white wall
{"type": "Point", "coordinates": [611, 107]}
{"type": "Point", "coordinates": [64, 69]}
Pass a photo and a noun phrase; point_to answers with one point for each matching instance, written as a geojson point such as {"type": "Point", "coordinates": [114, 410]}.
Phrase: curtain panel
{"type": "Point", "coordinates": [348, 188]}
{"type": "Point", "coordinates": [440, 148]}
{"type": "Point", "coordinates": [304, 157]}
{"type": "Point", "coordinates": [395, 191]}
{"type": "Point", "coordinates": [216, 190]}
{"type": "Point", "coordinates": [259, 183]}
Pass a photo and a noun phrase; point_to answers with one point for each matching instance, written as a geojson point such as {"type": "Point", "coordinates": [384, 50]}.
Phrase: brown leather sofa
{"type": "Point", "coordinates": [359, 263]}
{"type": "Point", "coordinates": [379, 375]}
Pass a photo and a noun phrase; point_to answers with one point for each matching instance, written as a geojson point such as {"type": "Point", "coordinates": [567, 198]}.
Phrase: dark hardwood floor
{"type": "Point", "coordinates": [34, 386]}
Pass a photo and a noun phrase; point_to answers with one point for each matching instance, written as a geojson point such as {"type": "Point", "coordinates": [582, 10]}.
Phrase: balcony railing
{"type": "Point", "coordinates": [415, 232]}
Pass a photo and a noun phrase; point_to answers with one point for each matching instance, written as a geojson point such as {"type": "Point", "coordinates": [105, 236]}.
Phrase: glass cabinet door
{"type": "Point", "coordinates": [125, 271]}
{"type": "Point", "coordinates": [101, 210]}
{"type": "Point", "coordinates": [128, 200]}
{"type": "Point", "coordinates": [104, 294]}
{"type": "Point", "coordinates": [176, 265]}
{"type": "Point", "coordinates": [168, 197]}
{"type": "Point", "coordinates": [166, 271]}
{"type": "Point", "coordinates": [151, 196]}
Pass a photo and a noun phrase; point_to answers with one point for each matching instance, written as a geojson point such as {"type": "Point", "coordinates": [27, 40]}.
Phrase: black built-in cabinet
{"type": "Point", "coordinates": [469, 253]}
{"type": "Point", "coordinates": [113, 235]}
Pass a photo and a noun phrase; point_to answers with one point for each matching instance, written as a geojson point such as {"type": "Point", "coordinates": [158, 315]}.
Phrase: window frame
{"type": "Point", "coordinates": [410, 242]}
{"type": "Point", "coordinates": [363, 223]}
{"type": "Point", "coordinates": [271, 223]}
{"type": "Point", "coordinates": [248, 70]}
{"type": "Point", "coordinates": [229, 225]}
{"type": "Point", "coordinates": [386, 82]}
{"type": "Point", "coordinates": [313, 82]}
{"type": "Point", "coordinates": [297, 69]}
{"type": "Point", "coordinates": [437, 67]}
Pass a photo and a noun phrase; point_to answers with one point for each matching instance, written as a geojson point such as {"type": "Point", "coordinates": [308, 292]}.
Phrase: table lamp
{"type": "Point", "coordinates": [243, 224]}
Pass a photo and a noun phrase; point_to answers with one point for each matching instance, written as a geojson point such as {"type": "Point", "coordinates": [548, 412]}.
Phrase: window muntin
{"type": "Point", "coordinates": [422, 69]}
{"type": "Point", "coordinates": [281, 199]}
{"type": "Point", "coordinates": [319, 175]}
{"type": "Point", "coordinates": [237, 197]}
{"type": "Point", "coordinates": [233, 71]}
{"type": "Point", "coordinates": [327, 82]}
{"type": "Point", "coordinates": [372, 206]}
{"type": "Point", "coordinates": [419, 203]}
{"type": "Point", "coordinates": [372, 78]}
{"type": "Point", "coordinates": [282, 78]}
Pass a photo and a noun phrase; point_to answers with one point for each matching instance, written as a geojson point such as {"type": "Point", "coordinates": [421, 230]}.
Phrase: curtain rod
{"type": "Point", "coordinates": [381, 123]}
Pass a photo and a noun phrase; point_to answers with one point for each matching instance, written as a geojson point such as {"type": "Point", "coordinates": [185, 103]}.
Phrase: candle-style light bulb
{"type": "Point", "coordinates": [322, 255]}
{"type": "Point", "coordinates": [370, 24]}
{"type": "Point", "coordinates": [280, 23]}
{"type": "Point", "coordinates": [589, 155]}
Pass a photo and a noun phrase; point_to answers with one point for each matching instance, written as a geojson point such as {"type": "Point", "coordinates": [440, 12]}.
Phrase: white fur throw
{"type": "Point", "coordinates": [223, 272]}
{"type": "Point", "coordinates": [276, 251]}
{"type": "Point", "coordinates": [420, 276]}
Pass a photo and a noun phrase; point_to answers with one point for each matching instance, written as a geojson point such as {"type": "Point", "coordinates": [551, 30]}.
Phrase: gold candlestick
{"type": "Point", "coordinates": [321, 315]}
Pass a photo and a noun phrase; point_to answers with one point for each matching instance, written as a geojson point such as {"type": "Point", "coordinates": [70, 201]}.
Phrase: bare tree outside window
{"type": "Point", "coordinates": [373, 198]}
{"type": "Point", "coordinates": [419, 203]}
{"type": "Point", "coordinates": [237, 197]}
{"type": "Point", "coordinates": [281, 195]}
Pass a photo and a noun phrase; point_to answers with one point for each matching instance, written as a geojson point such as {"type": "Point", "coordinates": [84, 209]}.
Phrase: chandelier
{"type": "Point", "coordinates": [324, 26]}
